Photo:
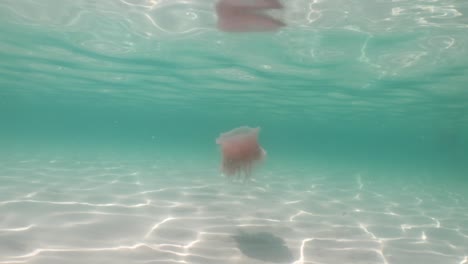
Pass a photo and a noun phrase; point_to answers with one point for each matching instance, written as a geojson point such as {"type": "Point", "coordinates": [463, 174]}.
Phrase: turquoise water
{"type": "Point", "coordinates": [109, 111]}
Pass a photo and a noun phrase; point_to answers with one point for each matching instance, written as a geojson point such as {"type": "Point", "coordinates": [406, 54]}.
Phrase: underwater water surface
{"type": "Point", "coordinates": [110, 110]}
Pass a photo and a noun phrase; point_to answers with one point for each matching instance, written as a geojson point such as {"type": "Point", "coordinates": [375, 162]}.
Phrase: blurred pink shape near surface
{"type": "Point", "coordinates": [246, 16]}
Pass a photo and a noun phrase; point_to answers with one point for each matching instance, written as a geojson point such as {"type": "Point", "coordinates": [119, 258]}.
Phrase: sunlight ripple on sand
{"type": "Point", "coordinates": [50, 212]}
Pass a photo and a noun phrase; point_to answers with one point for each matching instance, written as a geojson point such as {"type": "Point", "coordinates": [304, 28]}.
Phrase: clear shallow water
{"type": "Point", "coordinates": [109, 111]}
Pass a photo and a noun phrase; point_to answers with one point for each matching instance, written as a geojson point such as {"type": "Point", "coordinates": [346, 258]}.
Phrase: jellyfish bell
{"type": "Point", "coordinates": [240, 152]}
{"type": "Point", "coordinates": [246, 16]}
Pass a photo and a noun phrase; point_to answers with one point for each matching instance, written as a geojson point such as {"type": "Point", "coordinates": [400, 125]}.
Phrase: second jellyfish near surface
{"type": "Point", "coordinates": [247, 16]}
{"type": "Point", "coordinates": [240, 152]}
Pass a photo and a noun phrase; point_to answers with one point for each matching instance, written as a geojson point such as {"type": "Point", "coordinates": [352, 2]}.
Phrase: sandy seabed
{"type": "Point", "coordinates": [63, 211]}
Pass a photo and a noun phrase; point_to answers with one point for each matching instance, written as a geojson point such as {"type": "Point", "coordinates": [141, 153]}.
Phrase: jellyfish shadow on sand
{"type": "Point", "coordinates": [263, 246]}
{"type": "Point", "coordinates": [240, 152]}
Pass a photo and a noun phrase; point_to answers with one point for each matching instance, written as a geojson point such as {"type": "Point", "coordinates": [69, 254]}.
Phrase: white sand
{"type": "Point", "coordinates": [58, 211]}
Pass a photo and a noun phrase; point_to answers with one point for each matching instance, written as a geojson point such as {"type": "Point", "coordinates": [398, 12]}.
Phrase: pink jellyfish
{"type": "Point", "coordinates": [243, 16]}
{"type": "Point", "coordinates": [240, 151]}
